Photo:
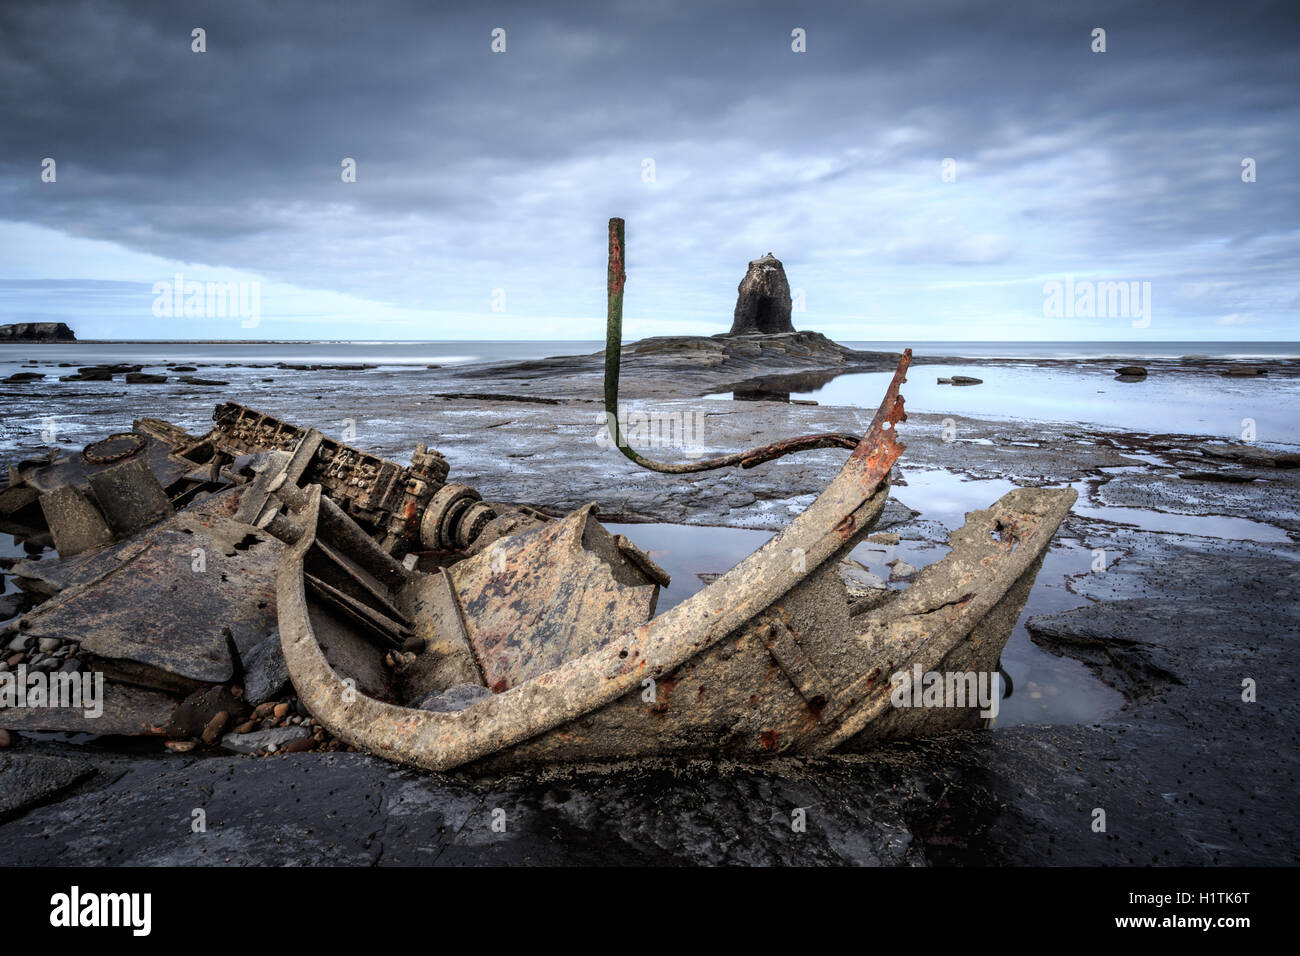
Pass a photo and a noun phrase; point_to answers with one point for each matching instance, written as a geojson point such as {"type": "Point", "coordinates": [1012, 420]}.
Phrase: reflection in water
{"type": "Point", "coordinates": [1185, 402]}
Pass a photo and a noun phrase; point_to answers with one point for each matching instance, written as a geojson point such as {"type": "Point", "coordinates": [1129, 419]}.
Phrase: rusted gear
{"type": "Point", "coordinates": [438, 524]}
{"type": "Point", "coordinates": [116, 447]}
{"type": "Point", "coordinates": [471, 524]}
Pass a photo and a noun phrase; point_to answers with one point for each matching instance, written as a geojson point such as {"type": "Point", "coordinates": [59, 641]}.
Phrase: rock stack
{"type": "Point", "coordinates": [763, 303]}
{"type": "Point", "coordinates": [36, 332]}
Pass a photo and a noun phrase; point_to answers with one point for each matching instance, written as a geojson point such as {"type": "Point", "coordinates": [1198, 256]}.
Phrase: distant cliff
{"type": "Point", "coordinates": [34, 332]}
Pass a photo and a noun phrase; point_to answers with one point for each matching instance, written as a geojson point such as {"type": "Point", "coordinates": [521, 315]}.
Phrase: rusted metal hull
{"type": "Point", "coordinates": [768, 659]}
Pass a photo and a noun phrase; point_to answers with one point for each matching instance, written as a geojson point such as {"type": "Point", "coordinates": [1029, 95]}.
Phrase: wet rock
{"type": "Point", "coordinates": [191, 380]}
{"type": "Point", "coordinates": [28, 780]}
{"type": "Point", "coordinates": [966, 380]}
{"type": "Point", "coordinates": [20, 377]}
{"type": "Point", "coordinates": [1131, 371]}
{"type": "Point", "coordinates": [900, 570]}
{"type": "Point", "coordinates": [1244, 372]}
{"type": "Point", "coordinates": [1232, 477]}
{"type": "Point", "coordinates": [92, 374]}
{"type": "Point", "coordinates": [763, 303]}
{"type": "Point", "coordinates": [197, 711]}
{"type": "Point", "coordinates": [182, 368]}
{"type": "Point", "coordinates": [144, 378]}
{"type": "Point", "coordinates": [858, 581]}
{"type": "Point", "coordinates": [10, 604]}
{"type": "Point", "coordinates": [266, 741]}
{"type": "Point", "coordinates": [265, 674]}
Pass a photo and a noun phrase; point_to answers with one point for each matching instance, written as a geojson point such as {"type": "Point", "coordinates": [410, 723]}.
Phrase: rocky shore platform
{"type": "Point", "coordinates": [1193, 617]}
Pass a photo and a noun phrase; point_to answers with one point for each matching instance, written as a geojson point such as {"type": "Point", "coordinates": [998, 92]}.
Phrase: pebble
{"type": "Point", "coordinates": [48, 645]}
{"type": "Point", "coordinates": [19, 643]}
{"type": "Point", "coordinates": [264, 710]}
{"type": "Point", "coordinates": [280, 711]}
{"type": "Point", "coordinates": [215, 727]}
{"type": "Point", "coordinates": [15, 660]}
{"type": "Point", "coordinates": [264, 741]}
{"type": "Point", "coordinates": [180, 746]}
{"type": "Point", "coordinates": [247, 727]}
{"type": "Point", "coordinates": [6, 739]}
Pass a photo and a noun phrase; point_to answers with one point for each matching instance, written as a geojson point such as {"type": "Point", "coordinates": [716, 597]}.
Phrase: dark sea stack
{"type": "Point", "coordinates": [28, 333]}
{"type": "Point", "coordinates": [763, 305]}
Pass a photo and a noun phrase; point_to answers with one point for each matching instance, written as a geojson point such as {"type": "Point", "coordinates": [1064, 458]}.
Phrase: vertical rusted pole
{"type": "Point", "coordinates": [616, 277]}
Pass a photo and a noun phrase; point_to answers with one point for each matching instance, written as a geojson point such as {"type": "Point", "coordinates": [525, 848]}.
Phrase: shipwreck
{"type": "Point", "coordinates": [264, 577]}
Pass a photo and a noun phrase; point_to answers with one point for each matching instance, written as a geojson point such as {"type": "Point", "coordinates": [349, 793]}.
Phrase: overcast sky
{"type": "Point", "coordinates": [479, 171]}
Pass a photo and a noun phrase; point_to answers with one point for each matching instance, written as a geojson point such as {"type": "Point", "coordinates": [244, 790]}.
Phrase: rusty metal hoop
{"type": "Point", "coordinates": [96, 458]}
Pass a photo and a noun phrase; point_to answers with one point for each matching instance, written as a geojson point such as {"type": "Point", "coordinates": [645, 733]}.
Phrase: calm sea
{"type": "Point", "coordinates": [460, 352]}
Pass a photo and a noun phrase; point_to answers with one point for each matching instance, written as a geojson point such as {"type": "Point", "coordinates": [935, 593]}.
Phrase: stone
{"type": "Point", "coordinates": [192, 380]}
{"type": "Point", "coordinates": [6, 738]}
{"type": "Point", "coordinates": [144, 378]}
{"type": "Point", "coordinates": [858, 581]}
{"type": "Point", "coordinates": [92, 374]}
{"type": "Point", "coordinates": [180, 746]}
{"type": "Point", "coordinates": [1132, 371]}
{"type": "Point", "coordinates": [48, 644]}
{"type": "Point", "coordinates": [280, 711]}
{"type": "Point", "coordinates": [763, 302]}
{"type": "Point", "coordinates": [215, 728]}
{"type": "Point", "coordinates": [265, 673]}
{"type": "Point", "coordinates": [900, 570]}
{"type": "Point", "coordinates": [197, 711]}
{"type": "Point", "coordinates": [262, 710]}
{"type": "Point", "coordinates": [264, 741]}
{"type": "Point", "coordinates": [966, 380]}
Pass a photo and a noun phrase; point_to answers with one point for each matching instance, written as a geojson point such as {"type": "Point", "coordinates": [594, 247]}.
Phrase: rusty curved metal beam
{"type": "Point", "coordinates": [442, 741]}
{"type": "Point", "coordinates": [615, 282]}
